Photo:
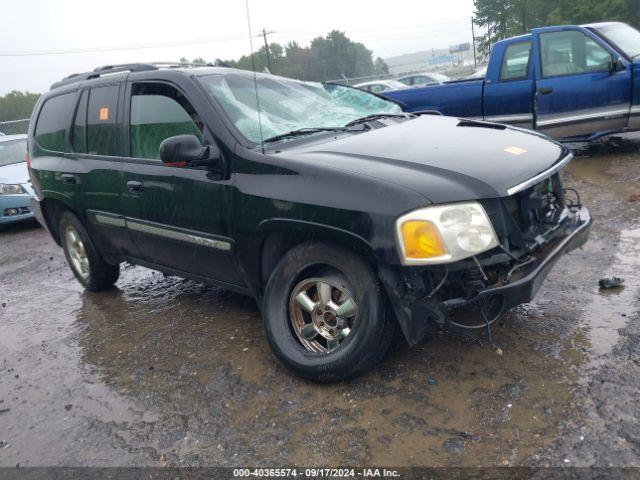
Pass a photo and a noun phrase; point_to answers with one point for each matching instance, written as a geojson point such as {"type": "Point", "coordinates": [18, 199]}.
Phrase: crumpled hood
{"type": "Point", "coordinates": [14, 173]}
{"type": "Point", "coordinates": [443, 158]}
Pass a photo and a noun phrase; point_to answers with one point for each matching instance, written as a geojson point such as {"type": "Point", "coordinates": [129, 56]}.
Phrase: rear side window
{"type": "Point", "coordinates": [102, 129]}
{"type": "Point", "coordinates": [515, 64]}
{"type": "Point", "coordinates": [53, 122]}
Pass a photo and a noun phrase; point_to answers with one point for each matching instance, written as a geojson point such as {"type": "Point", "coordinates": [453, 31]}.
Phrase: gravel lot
{"type": "Point", "coordinates": [162, 371]}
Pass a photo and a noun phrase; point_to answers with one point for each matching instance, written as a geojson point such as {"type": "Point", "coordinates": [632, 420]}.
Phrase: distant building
{"type": "Point", "coordinates": [434, 59]}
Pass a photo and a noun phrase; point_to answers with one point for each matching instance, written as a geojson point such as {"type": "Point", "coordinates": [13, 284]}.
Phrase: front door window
{"type": "Point", "coordinates": [158, 112]}
{"type": "Point", "coordinates": [571, 52]}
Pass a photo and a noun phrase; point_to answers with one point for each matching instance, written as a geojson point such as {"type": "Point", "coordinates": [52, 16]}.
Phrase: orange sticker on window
{"type": "Point", "coordinates": [104, 114]}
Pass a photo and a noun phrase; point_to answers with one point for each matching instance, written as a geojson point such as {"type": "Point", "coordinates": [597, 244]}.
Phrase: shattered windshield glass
{"type": "Point", "coordinates": [288, 105]}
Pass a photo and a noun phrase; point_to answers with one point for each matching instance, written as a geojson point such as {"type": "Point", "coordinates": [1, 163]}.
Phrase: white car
{"type": "Point", "coordinates": [479, 73]}
{"type": "Point", "coordinates": [424, 79]}
{"type": "Point", "coordinates": [378, 86]}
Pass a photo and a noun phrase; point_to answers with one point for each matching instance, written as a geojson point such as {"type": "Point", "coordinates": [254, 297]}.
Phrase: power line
{"type": "Point", "coordinates": [121, 47]}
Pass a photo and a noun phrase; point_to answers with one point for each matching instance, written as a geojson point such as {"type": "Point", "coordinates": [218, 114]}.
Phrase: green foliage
{"type": "Point", "coordinates": [327, 58]}
{"type": "Point", "coordinates": [507, 18]}
{"type": "Point", "coordinates": [17, 105]}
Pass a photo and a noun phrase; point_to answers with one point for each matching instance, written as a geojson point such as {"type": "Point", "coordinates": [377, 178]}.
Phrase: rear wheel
{"type": "Point", "coordinates": [325, 313]}
{"type": "Point", "coordinates": [86, 263]}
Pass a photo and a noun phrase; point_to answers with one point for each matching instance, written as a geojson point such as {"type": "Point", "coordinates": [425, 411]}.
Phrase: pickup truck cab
{"type": "Point", "coordinates": [341, 215]}
{"type": "Point", "coordinates": [569, 82]}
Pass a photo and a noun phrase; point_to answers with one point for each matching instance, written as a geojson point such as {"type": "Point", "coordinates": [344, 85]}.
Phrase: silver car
{"type": "Point", "coordinates": [424, 79]}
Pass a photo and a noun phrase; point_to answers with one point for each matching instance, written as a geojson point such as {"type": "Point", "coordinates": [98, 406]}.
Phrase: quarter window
{"type": "Point", "coordinates": [158, 112]}
{"type": "Point", "coordinates": [53, 123]}
{"type": "Point", "coordinates": [571, 52]}
{"type": "Point", "coordinates": [515, 65]}
{"type": "Point", "coordinates": [102, 129]}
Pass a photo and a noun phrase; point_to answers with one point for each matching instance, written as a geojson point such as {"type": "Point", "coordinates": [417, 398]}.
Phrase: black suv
{"type": "Point", "coordinates": [341, 214]}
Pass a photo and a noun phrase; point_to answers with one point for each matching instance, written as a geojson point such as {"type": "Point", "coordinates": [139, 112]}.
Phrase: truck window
{"type": "Point", "coordinates": [102, 129]}
{"type": "Point", "coordinates": [159, 111]}
{"type": "Point", "coordinates": [515, 64]}
{"type": "Point", "coordinates": [571, 52]}
{"type": "Point", "coordinates": [53, 122]}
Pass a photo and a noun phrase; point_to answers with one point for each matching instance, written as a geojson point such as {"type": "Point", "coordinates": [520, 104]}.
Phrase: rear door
{"type": "Point", "coordinates": [508, 98]}
{"type": "Point", "coordinates": [94, 166]}
{"type": "Point", "coordinates": [579, 91]}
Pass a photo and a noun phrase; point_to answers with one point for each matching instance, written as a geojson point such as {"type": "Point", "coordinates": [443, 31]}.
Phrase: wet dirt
{"type": "Point", "coordinates": [163, 371]}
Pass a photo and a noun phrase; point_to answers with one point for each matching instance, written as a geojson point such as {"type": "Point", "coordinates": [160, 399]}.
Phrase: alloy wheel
{"type": "Point", "coordinates": [77, 252]}
{"type": "Point", "coordinates": [322, 314]}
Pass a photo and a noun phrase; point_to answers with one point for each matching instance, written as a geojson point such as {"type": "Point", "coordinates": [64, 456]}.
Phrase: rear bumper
{"type": "Point", "coordinates": [15, 208]}
{"type": "Point", "coordinates": [417, 315]}
{"type": "Point", "coordinates": [37, 212]}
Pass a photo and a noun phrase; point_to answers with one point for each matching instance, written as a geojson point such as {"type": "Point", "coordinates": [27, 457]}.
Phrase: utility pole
{"type": "Point", "coordinates": [266, 47]}
{"type": "Point", "coordinates": [473, 35]}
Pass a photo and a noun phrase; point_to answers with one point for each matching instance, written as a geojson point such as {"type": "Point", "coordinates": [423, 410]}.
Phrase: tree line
{"type": "Point", "coordinates": [330, 57]}
{"type": "Point", "coordinates": [507, 18]}
{"type": "Point", "coordinates": [17, 105]}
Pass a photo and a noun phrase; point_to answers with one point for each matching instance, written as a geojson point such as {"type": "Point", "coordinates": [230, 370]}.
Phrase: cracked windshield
{"type": "Point", "coordinates": [268, 106]}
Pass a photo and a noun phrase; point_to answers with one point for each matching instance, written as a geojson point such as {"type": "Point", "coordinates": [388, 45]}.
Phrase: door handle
{"type": "Point", "coordinates": [68, 178]}
{"type": "Point", "coordinates": [135, 187]}
{"type": "Point", "coordinates": [545, 91]}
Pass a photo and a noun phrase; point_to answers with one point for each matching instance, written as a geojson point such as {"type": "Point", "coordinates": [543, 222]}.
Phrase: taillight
{"type": "Point", "coordinates": [28, 160]}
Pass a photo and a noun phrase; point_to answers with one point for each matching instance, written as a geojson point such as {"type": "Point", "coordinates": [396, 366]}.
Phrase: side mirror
{"type": "Point", "coordinates": [186, 150]}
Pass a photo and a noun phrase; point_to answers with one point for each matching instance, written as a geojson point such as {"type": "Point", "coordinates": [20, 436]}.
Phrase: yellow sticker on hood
{"type": "Point", "coordinates": [515, 150]}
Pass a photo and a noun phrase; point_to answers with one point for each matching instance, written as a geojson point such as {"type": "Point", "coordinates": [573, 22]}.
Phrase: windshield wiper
{"type": "Point", "coordinates": [376, 116]}
{"type": "Point", "coordinates": [304, 131]}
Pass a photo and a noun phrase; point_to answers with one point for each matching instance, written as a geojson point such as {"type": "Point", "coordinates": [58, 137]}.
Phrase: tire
{"type": "Point", "coordinates": [351, 277]}
{"type": "Point", "coordinates": [90, 269]}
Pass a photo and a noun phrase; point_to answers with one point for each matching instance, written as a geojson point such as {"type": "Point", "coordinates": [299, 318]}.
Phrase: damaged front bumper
{"type": "Point", "coordinates": [417, 312]}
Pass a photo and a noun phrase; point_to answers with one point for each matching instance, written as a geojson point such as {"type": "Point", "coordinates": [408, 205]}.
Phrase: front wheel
{"type": "Point", "coordinates": [325, 313]}
{"type": "Point", "coordinates": [86, 263]}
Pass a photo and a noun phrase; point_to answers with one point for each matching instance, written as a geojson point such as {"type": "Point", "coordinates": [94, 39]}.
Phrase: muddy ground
{"type": "Point", "coordinates": [162, 371]}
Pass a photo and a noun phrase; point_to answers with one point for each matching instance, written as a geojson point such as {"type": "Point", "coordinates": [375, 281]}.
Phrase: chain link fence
{"type": "Point", "coordinates": [14, 127]}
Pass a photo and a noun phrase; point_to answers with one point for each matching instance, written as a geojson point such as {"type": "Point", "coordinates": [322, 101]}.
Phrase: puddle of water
{"type": "Point", "coordinates": [609, 310]}
{"type": "Point", "coordinates": [595, 172]}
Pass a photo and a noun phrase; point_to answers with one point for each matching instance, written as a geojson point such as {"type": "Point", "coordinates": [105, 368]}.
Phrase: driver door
{"type": "Point", "coordinates": [579, 90]}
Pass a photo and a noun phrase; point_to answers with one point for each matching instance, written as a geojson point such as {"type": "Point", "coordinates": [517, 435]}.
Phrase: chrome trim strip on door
{"type": "Point", "coordinates": [635, 109]}
{"type": "Point", "coordinates": [541, 176]}
{"type": "Point", "coordinates": [111, 221]}
{"type": "Point", "coordinates": [180, 235]}
{"type": "Point", "coordinates": [518, 117]}
{"type": "Point", "coordinates": [586, 116]}
{"type": "Point", "coordinates": [106, 218]}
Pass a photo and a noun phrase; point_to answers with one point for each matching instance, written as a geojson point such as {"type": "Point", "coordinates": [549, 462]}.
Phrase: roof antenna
{"type": "Point", "coordinates": [255, 77]}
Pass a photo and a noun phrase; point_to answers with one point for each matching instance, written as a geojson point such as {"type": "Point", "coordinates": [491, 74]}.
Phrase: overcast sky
{"type": "Point", "coordinates": [94, 33]}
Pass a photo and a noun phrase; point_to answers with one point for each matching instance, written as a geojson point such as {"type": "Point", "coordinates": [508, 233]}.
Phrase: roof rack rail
{"type": "Point", "coordinates": [105, 70]}
{"type": "Point", "coordinates": [181, 64]}
{"type": "Point", "coordinates": [130, 67]}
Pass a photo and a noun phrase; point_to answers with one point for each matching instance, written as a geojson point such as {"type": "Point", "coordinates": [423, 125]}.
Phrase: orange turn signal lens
{"type": "Point", "coordinates": [421, 239]}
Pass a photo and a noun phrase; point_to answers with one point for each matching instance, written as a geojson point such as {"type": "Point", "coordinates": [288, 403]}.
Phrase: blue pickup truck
{"type": "Point", "coordinates": [569, 82]}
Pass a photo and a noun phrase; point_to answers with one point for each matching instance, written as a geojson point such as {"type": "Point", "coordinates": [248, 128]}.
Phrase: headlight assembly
{"type": "Point", "coordinates": [444, 233]}
{"type": "Point", "coordinates": [8, 189]}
